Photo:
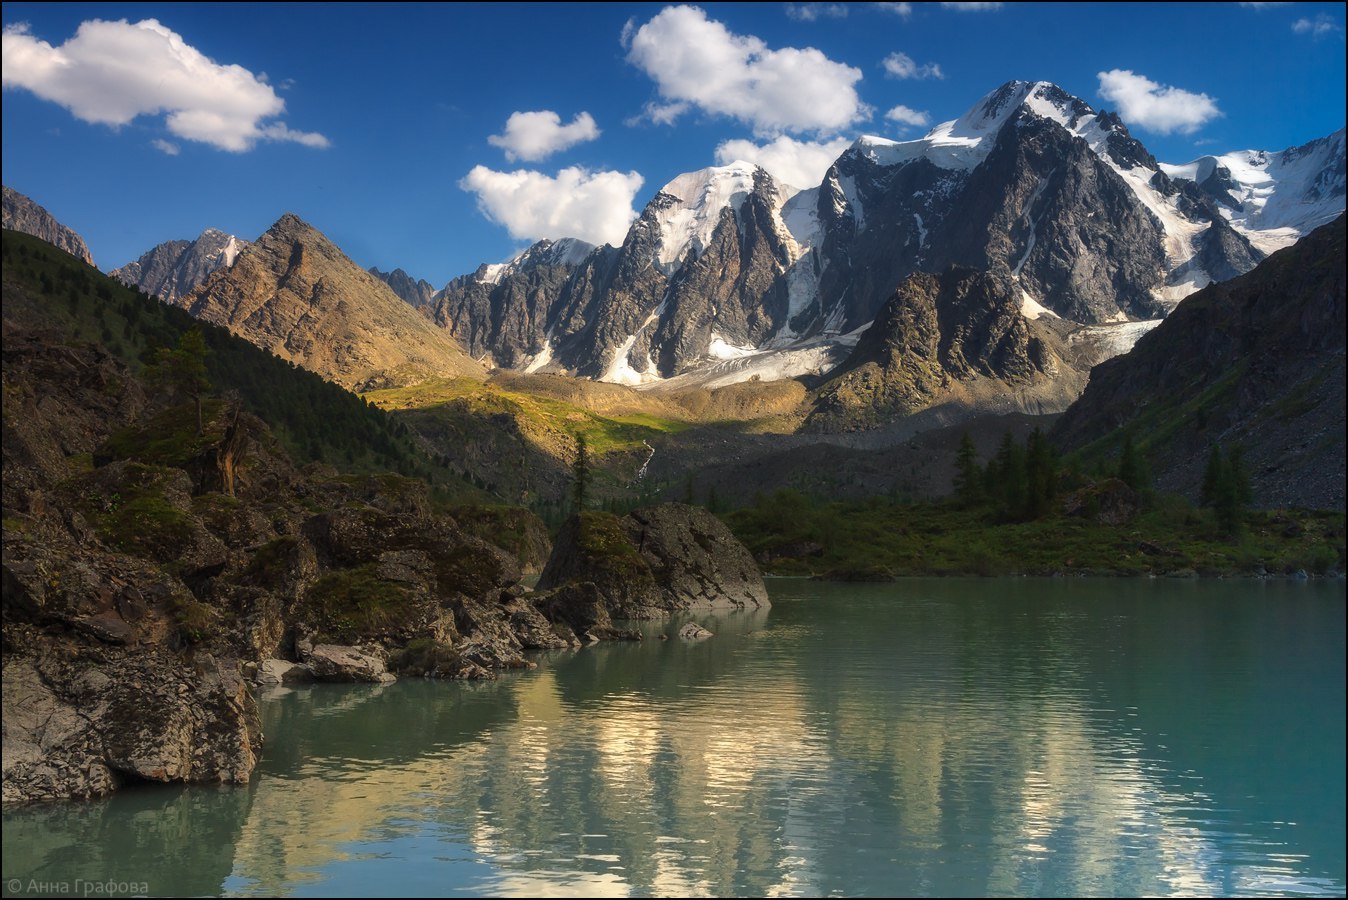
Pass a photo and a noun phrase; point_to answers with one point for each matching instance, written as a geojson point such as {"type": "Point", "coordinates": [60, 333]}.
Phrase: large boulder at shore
{"type": "Point", "coordinates": [578, 613]}
{"type": "Point", "coordinates": [695, 560]}
{"type": "Point", "coordinates": [595, 547]}
{"type": "Point", "coordinates": [79, 722]}
{"type": "Point", "coordinates": [333, 662]}
{"type": "Point", "coordinates": [655, 561]}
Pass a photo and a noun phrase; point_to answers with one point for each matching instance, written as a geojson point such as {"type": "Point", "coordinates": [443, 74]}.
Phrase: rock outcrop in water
{"type": "Point", "coordinates": [81, 718]}
{"type": "Point", "coordinates": [655, 561]}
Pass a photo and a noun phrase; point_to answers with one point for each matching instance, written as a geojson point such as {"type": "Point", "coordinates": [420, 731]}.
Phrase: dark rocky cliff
{"type": "Point", "coordinates": [1255, 362]}
{"type": "Point", "coordinates": [953, 339]}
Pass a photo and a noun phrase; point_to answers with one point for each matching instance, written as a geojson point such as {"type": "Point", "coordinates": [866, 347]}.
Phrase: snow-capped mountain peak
{"type": "Point", "coordinates": [1273, 198]}
{"type": "Point", "coordinates": [562, 252]}
{"type": "Point", "coordinates": [961, 144]}
{"type": "Point", "coordinates": [693, 207]}
{"type": "Point", "coordinates": [726, 264]}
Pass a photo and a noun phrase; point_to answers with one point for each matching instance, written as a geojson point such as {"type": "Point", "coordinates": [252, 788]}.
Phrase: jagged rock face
{"type": "Point", "coordinates": [732, 291]}
{"type": "Point", "coordinates": [647, 309]}
{"type": "Point", "coordinates": [946, 338]}
{"type": "Point", "coordinates": [876, 223]}
{"type": "Point", "coordinates": [506, 317]}
{"type": "Point", "coordinates": [416, 291]}
{"type": "Point", "coordinates": [1258, 362]}
{"type": "Point", "coordinates": [1044, 206]}
{"type": "Point", "coordinates": [19, 213]}
{"type": "Point", "coordinates": [295, 294]}
{"type": "Point", "coordinates": [626, 288]}
{"type": "Point", "coordinates": [175, 268]}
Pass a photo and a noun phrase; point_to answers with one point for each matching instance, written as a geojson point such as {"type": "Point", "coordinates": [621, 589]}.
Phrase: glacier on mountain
{"type": "Point", "coordinates": [1273, 198]}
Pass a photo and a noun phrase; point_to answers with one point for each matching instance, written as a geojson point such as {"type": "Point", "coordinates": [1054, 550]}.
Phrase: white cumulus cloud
{"type": "Point", "coordinates": [800, 164]}
{"type": "Point", "coordinates": [901, 65]}
{"type": "Point", "coordinates": [973, 7]}
{"type": "Point", "coordinates": [532, 136]}
{"type": "Point", "coordinates": [166, 147]}
{"type": "Point", "coordinates": [592, 206]}
{"type": "Point", "coordinates": [110, 73]}
{"type": "Point", "coordinates": [906, 115]}
{"type": "Point", "coordinates": [698, 61]}
{"type": "Point", "coordinates": [1156, 107]}
{"type": "Point", "coordinates": [1320, 26]}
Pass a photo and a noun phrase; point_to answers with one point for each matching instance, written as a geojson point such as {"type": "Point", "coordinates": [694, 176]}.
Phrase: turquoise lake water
{"type": "Point", "coordinates": [934, 737]}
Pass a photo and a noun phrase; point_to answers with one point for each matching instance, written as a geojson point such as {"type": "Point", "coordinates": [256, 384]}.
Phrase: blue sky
{"type": "Point", "coordinates": [436, 137]}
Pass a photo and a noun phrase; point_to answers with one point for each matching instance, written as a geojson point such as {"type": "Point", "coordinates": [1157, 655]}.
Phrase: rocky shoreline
{"type": "Point", "coordinates": [156, 576]}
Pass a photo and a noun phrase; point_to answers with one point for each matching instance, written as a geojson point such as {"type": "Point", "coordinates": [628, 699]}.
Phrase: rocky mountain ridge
{"type": "Point", "coordinates": [747, 271]}
{"type": "Point", "coordinates": [959, 341]}
{"type": "Point", "coordinates": [416, 291]}
{"type": "Point", "coordinates": [730, 275]}
{"type": "Point", "coordinates": [19, 213]}
{"type": "Point", "coordinates": [293, 292]}
{"type": "Point", "coordinates": [1273, 198]}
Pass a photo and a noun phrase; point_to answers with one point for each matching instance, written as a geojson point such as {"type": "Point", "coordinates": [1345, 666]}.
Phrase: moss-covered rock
{"type": "Point", "coordinates": [518, 531]}
{"type": "Point", "coordinates": [349, 605]}
{"type": "Point", "coordinates": [655, 561]}
{"type": "Point", "coordinates": [696, 561]}
{"type": "Point", "coordinates": [595, 547]}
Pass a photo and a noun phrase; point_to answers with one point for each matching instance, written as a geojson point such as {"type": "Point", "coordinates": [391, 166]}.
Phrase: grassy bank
{"type": "Point", "coordinates": [791, 534]}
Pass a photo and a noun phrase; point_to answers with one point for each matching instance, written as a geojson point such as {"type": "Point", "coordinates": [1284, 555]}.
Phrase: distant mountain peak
{"type": "Point", "coordinates": [1273, 197]}
{"type": "Point", "coordinates": [562, 252]}
{"type": "Point", "coordinates": [291, 222]}
{"type": "Point", "coordinates": [962, 144]}
{"type": "Point", "coordinates": [416, 291]}
{"type": "Point", "coordinates": [174, 269]}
